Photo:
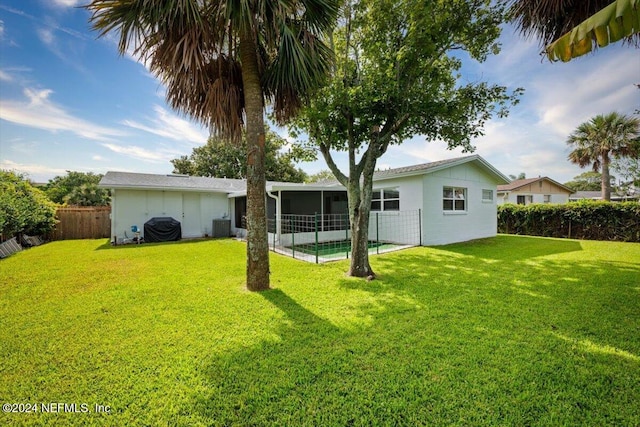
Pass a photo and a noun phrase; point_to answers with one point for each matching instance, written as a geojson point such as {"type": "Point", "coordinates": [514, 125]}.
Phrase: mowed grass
{"type": "Point", "coordinates": [503, 331]}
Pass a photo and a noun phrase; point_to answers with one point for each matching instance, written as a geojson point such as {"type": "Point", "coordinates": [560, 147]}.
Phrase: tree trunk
{"type": "Point", "coordinates": [257, 240]}
{"type": "Point", "coordinates": [606, 179]}
{"type": "Point", "coordinates": [359, 219]}
{"type": "Point", "coordinates": [359, 208]}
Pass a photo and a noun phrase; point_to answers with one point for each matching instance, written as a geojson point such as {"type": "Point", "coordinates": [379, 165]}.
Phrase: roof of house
{"type": "Point", "coordinates": [436, 166]}
{"type": "Point", "coordinates": [597, 195]}
{"type": "Point", "coordinates": [236, 187]}
{"type": "Point", "coordinates": [171, 181]}
{"type": "Point", "coordinates": [519, 183]}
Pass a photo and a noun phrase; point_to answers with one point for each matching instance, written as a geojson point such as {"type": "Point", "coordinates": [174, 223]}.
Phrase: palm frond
{"type": "Point", "coordinates": [618, 20]}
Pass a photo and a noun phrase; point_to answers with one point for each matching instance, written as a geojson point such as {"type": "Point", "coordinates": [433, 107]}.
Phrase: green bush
{"type": "Point", "coordinates": [582, 220]}
{"type": "Point", "coordinates": [23, 208]}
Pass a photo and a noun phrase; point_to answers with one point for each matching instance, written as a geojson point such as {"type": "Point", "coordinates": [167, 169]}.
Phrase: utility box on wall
{"type": "Point", "coordinates": [221, 228]}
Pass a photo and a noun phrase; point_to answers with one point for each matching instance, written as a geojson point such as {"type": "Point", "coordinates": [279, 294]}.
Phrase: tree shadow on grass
{"type": "Point", "coordinates": [452, 338]}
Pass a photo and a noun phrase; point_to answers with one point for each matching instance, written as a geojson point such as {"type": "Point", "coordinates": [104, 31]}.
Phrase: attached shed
{"type": "Point", "coordinates": [193, 201]}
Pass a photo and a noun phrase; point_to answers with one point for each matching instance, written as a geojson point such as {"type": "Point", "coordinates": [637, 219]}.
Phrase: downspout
{"type": "Point", "coordinates": [278, 210]}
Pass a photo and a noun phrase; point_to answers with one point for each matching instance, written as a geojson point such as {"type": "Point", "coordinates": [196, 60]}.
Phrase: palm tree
{"type": "Point", "coordinates": [570, 28]}
{"type": "Point", "coordinates": [601, 139]}
{"type": "Point", "coordinates": [221, 62]}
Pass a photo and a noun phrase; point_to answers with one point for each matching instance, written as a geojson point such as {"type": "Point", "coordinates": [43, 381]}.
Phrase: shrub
{"type": "Point", "coordinates": [582, 220]}
{"type": "Point", "coordinates": [23, 208]}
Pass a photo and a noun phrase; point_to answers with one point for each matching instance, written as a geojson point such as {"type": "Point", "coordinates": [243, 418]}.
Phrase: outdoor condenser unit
{"type": "Point", "coordinates": [221, 228]}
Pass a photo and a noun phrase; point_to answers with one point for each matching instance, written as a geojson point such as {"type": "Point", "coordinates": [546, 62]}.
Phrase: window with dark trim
{"type": "Point", "coordinates": [387, 199]}
{"type": "Point", "coordinates": [454, 199]}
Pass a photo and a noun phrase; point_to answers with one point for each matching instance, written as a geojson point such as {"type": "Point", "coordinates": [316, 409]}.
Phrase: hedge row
{"type": "Point", "coordinates": [582, 220]}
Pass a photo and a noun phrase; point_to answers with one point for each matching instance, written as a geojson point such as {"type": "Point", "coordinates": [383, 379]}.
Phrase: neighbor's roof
{"type": "Point", "coordinates": [519, 183]}
{"type": "Point", "coordinates": [171, 182]}
{"type": "Point", "coordinates": [596, 195]}
{"type": "Point", "coordinates": [425, 168]}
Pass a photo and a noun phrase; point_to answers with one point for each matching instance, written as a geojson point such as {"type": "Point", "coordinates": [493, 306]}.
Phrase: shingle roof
{"type": "Point", "coordinates": [174, 182]}
{"type": "Point", "coordinates": [415, 168]}
{"type": "Point", "coordinates": [514, 185]}
{"type": "Point", "coordinates": [586, 195]}
{"type": "Point", "coordinates": [226, 185]}
{"type": "Point", "coordinates": [435, 166]}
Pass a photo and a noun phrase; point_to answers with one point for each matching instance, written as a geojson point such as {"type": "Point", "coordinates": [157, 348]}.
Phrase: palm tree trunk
{"type": "Point", "coordinates": [606, 178]}
{"type": "Point", "coordinates": [257, 241]}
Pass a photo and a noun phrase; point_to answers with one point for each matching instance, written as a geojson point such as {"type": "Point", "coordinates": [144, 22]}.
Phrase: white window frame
{"type": "Point", "coordinates": [456, 192]}
{"type": "Point", "coordinates": [485, 192]}
{"type": "Point", "coordinates": [382, 199]}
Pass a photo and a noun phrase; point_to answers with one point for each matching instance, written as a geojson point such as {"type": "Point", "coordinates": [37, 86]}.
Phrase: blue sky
{"type": "Point", "coordinates": [68, 101]}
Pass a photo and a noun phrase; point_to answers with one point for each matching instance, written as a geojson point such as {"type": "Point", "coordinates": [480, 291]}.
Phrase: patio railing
{"type": "Point", "coordinates": [321, 238]}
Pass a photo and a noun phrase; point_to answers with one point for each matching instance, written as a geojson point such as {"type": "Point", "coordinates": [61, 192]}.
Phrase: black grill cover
{"type": "Point", "coordinates": [162, 229]}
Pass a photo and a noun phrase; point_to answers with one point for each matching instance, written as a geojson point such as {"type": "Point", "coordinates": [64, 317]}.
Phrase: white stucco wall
{"type": "Point", "coordinates": [195, 210]}
{"type": "Point", "coordinates": [441, 227]}
{"type": "Point", "coordinates": [512, 197]}
{"type": "Point", "coordinates": [398, 226]}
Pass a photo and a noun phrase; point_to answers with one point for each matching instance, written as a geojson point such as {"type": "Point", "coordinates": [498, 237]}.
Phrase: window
{"type": "Point", "coordinates": [454, 199]}
{"type": "Point", "coordinates": [487, 195]}
{"type": "Point", "coordinates": [525, 200]}
{"type": "Point", "coordinates": [385, 200]}
{"type": "Point", "coordinates": [547, 198]}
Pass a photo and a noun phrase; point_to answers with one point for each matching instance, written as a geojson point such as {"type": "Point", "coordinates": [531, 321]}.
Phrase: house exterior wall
{"type": "Point", "coordinates": [536, 191]}
{"type": "Point", "coordinates": [401, 226]}
{"type": "Point", "coordinates": [479, 220]}
{"type": "Point", "coordinates": [195, 210]}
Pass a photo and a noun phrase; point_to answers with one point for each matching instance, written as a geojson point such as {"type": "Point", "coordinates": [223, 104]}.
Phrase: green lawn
{"type": "Point", "coordinates": [505, 331]}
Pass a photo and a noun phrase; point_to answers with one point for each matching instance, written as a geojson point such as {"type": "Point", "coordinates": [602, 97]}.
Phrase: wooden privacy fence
{"type": "Point", "coordinates": [78, 222]}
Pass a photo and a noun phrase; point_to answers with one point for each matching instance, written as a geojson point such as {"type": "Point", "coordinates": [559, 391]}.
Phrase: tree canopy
{"type": "Point", "coordinates": [218, 158]}
{"type": "Point", "coordinates": [77, 188]}
{"type": "Point", "coordinates": [586, 181]}
{"type": "Point", "coordinates": [23, 208]}
{"type": "Point", "coordinates": [397, 75]}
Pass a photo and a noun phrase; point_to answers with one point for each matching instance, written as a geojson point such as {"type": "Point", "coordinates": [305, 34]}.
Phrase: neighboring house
{"type": "Point", "coordinates": [451, 200]}
{"type": "Point", "coordinates": [597, 195]}
{"type": "Point", "coordinates": [533, 190]}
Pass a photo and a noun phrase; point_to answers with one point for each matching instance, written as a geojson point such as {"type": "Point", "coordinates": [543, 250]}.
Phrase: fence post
{"type": "Point", "coordinates": [293, 238]}
{"type": "Point", "coordinates": [377, 236]}
{"type": "Point", "coordinates": [346, 236]}
{"type": "Point", "coordinates": [315, 217]}
{"type": "Point", "coordinates": [420, 225]}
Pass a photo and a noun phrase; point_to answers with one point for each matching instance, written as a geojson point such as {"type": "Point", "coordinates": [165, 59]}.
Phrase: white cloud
{"type": "Point", "coordinates": [31, 169]}
{"type": "Point", "coordinates": [41, 113]}
{"type": "Point", "coordinates": [98, 158]}
{"type": "Point", "coordinates": [169, 125]}
{"type": "Point", "coordinates": [4, 76]}
{"type": "Point", "coordinates": [66, 3]}
{"type": "Point", "coordinates": [46, 36]}
{"type": "Point", "coordinates": [160, 155]}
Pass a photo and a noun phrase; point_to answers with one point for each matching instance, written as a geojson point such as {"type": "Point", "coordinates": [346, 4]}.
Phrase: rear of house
{"type": "Point", "coordinates": [428, 204]}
